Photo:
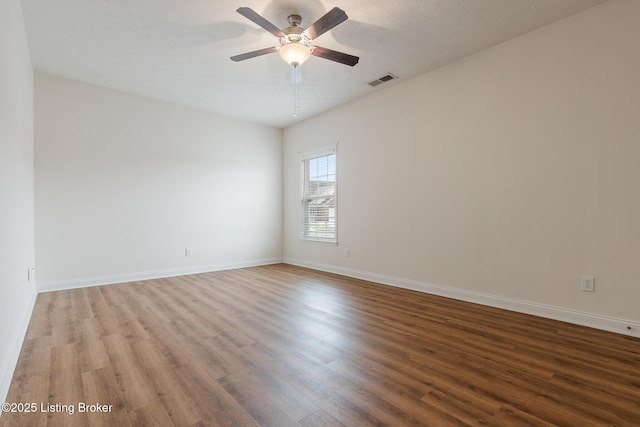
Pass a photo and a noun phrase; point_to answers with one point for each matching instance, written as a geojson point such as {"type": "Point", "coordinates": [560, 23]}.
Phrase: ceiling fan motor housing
{"type": "Point", "coordinates": [294, 20]}
{"type": "Point", "coordinates": [295, 33]}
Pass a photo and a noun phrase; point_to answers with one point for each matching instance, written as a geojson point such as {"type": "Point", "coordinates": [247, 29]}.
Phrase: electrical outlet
{"type": "Point", "coordinates": [346, 252]}
{"type": "Point", "coordinates": [588, 283]}
{"type": "Point", "coordinates": [187, 252]}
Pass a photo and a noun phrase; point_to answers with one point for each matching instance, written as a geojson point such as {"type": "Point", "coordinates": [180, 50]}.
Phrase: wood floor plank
{"type": "Point", "coordinates": [65, 388]}
{"type": "Point", "coordinates": [290, 370]}
{"type": "Point", "coordinates": [292, 402]}
{"type": "Point", "coordinates": [284, 345]}
{"type": "Point", "coordinates": [65, 327]}
{"type": "Point", "coordinates": [320, 419]}
{"type": "Point", "coordinates": [153, 414]}
{"type": "Point", "coordinates": [32, 391]}
{"type": "Point", "coordinates": [103, 314]}
{"type": "Point", "coordinates": [254, 398]}
{"type": "Point", "coordinates": [133, 382]}
{"type": "Point", "coordinates": [509, 416]}
{"type": "Point", "coordinates": [41, 323]}
{"type": "Point", "coordinates": [93, 354]}
{"type": "Point", "coordinates": [127, 324]}
{"type": "Point", "coordinates": [375, 402]}
{"type": "Point", "coordinates": [221, 407]}
{"type": "Point", "coordinates": [409, 402]}
{"type": "Point", "coordinates": [178, 401]}
{"type": "Point", "coordinates": [101, 387]}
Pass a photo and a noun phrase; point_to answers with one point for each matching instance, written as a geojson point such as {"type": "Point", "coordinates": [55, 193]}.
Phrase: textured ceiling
{"type": "Point", "coordinates": [178, 50]}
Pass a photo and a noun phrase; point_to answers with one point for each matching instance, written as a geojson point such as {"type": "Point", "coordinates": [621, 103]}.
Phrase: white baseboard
{"type": "Point", "coordinates": [596, 321]}
{"type": "Point", "coordinates": [15, 346]}
{"type": "Point", "coordinates": [148, 275]}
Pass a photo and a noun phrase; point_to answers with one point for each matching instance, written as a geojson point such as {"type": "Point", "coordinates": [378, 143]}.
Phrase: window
{"type": "Point", "coordinates": [318, 197]}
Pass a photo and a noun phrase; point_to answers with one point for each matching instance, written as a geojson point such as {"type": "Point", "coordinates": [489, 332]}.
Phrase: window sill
{"type": "Point", "coordinates": [318, 242]}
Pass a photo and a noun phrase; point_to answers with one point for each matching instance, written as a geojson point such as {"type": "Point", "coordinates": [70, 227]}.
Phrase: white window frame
{"type": "Point", "coordinates": [305, 198]}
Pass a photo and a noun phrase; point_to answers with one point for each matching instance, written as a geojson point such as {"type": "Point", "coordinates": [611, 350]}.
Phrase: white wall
{"type": "Point", "coordinates": [124, 184]}
{"type": "Point", "coordinates": [17, 293]}
{"type": "Point", "coordinates": [501, 178]}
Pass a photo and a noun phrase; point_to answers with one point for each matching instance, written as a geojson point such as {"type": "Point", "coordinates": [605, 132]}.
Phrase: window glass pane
{"type": "Point", "coordinates": [318, 209]}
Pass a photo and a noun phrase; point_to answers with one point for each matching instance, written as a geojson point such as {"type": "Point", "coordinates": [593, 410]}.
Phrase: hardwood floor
{"type": "Point", "coordinates": [285, 346]}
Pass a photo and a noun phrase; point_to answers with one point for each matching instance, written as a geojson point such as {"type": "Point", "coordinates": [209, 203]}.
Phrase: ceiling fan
{"type": "Point", "coordinates": [295, 42]}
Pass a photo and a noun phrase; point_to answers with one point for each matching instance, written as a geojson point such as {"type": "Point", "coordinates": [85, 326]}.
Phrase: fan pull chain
{"type": "Point", "coordinates": [296, 78]}
{"type": "Point", "coordinates": [296, 99]}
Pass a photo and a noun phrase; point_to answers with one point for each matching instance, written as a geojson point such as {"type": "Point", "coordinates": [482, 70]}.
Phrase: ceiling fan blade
{"type": "Point", "coordinates": [330, 19]}
{"type": "Point", "coordinates": [343, 58]}
{"type": "Point", "coordinates": [252, 15]}
{"type": "Point", "coordinates": [253, 54]}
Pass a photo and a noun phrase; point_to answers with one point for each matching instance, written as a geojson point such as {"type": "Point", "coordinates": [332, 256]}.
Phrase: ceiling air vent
{"type": "Point", "coordinates": [383, 79]}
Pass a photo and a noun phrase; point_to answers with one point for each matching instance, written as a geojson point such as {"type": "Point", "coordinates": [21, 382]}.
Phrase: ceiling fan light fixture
{"type": "Point", "coordinates": [295, 43]}
{"type": "Point", "coordinates": [295, 54]}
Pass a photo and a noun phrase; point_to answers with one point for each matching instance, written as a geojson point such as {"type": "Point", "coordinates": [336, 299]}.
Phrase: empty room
{"type": "Point", "coordinates": [320, 213]}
